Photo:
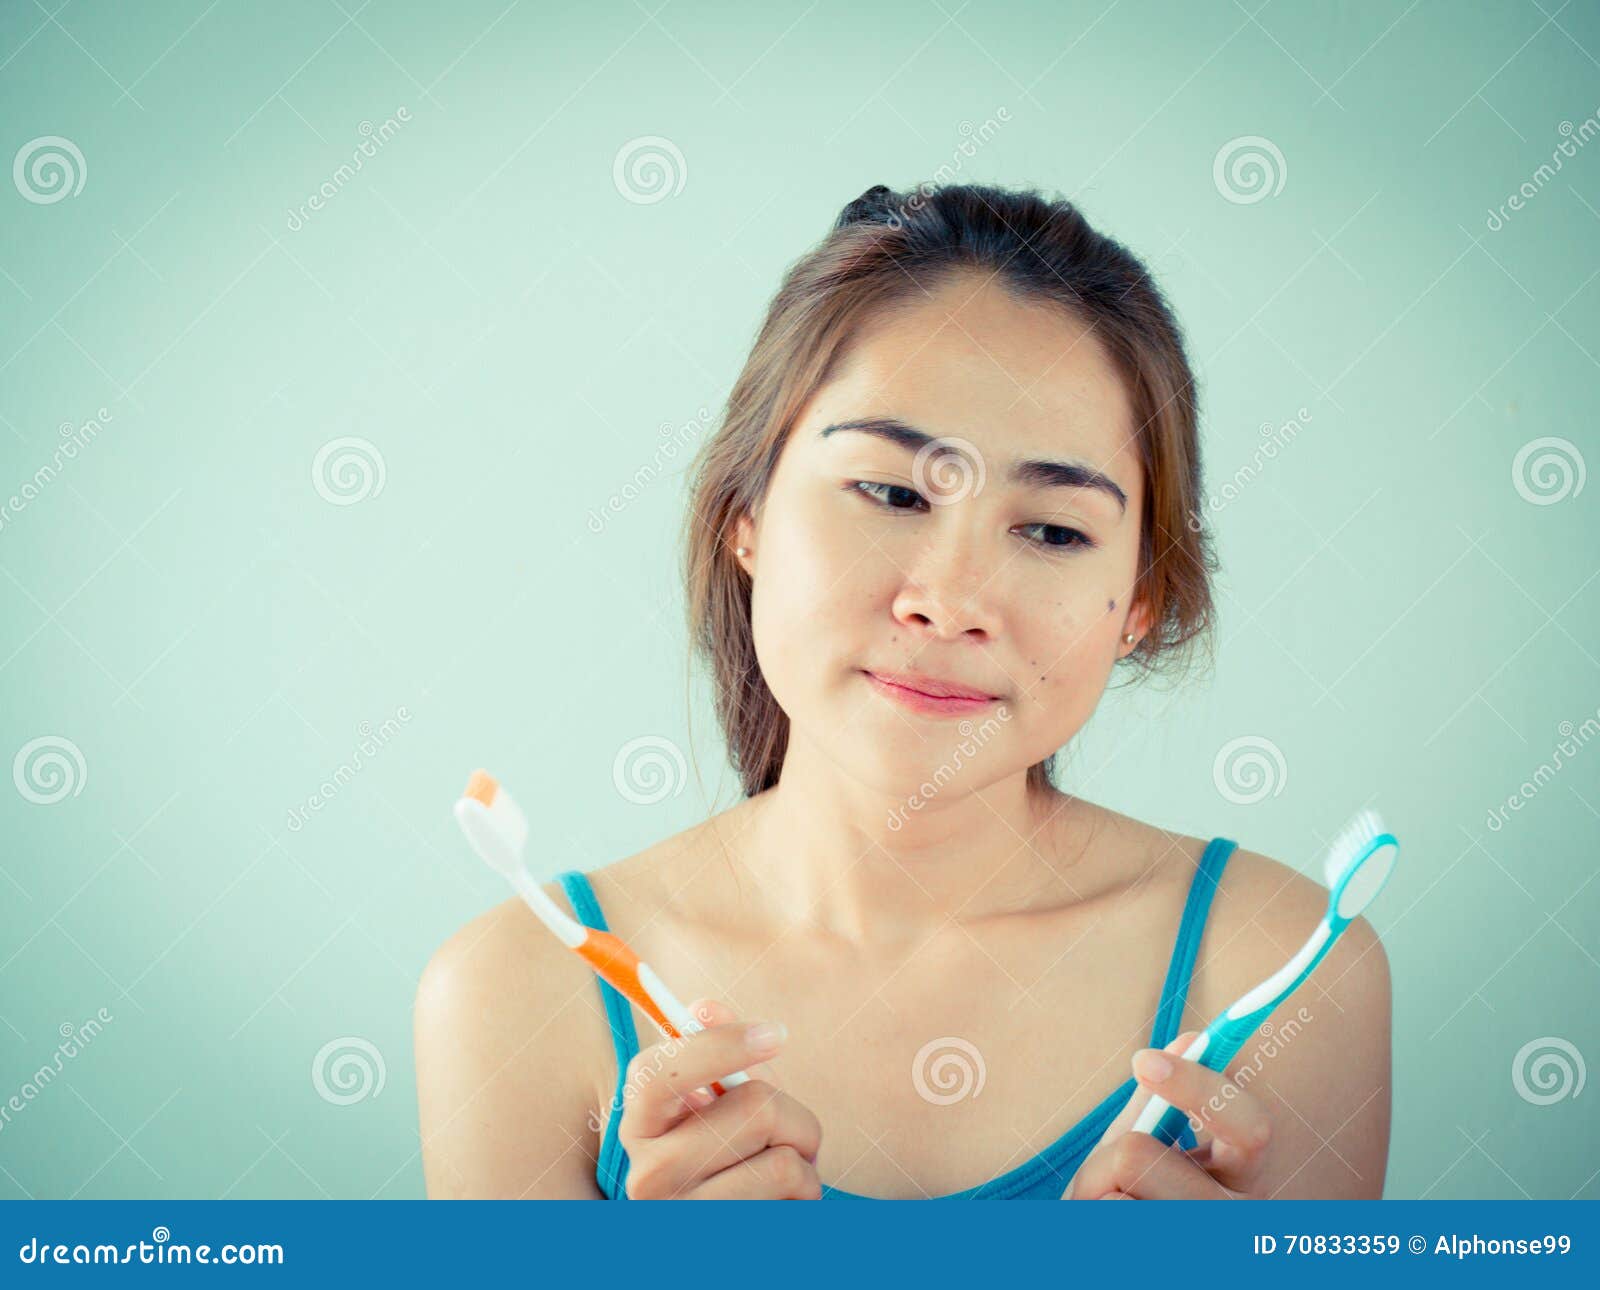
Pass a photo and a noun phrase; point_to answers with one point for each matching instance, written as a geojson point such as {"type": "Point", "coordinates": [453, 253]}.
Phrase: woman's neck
{"type": "Point", "coordinates": [831, 855]}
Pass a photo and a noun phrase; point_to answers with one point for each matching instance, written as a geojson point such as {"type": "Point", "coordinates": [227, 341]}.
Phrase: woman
{"type": "Point", "coordinates": [957, 484]}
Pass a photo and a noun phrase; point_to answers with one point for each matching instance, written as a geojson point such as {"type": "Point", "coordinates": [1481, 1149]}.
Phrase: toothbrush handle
{"type": "Point", "coordinates": [1214, 1049]}
{"type": "Point", "coordinates": [612, 957]}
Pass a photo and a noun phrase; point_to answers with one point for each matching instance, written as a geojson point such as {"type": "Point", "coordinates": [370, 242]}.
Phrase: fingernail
{"type": "Point", "coordinates": [1151, 1065]}
{"type": "Point", "coordinates": [765, 1036]}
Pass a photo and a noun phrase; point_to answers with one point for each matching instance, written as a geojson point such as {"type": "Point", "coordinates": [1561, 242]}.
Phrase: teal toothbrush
{"type": "Point", "coordinates": [1358, 864]}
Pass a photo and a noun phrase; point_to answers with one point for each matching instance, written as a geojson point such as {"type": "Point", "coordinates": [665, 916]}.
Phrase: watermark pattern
{"type": "Point", "coordinates": [371, 744]}
{"type": "Point", "coordinates": [1529, 788]}
{"type": "Point", "coordinates": [1549, 470]}
{"type": "Point", "coordinates": [673, 439]}
{"type": "Point", "coordinates": [948, 1070]}
{"type": "Point", "coordinates": [649, 169]}
{"type": "Point", "coordinates": [74, 440]}
{"type": "Point", "coordinates": [649, 769]}
{"type": "Point", "coordinates": [348, 470]}
{"type": "Point", "coordinates": [1531, 187]}
{"type": "Point", "coordinates": [1273, 1041]}
{"type": "Point", "coordinates": [1249, 769]}
{"type": "Point", "coordinates": [1273, 439]}
{"type": "Point", "coordinates": [972, 740]}
{"type": "Point", "coordinates": [74, 1038]}
{"type": "Point", "coordinates": [48, 769]}
{"type": "Point", "coordinates": [948, 470]}
{"type": "Point", "coordinates": [373, 137]}
{"type": "Point", "coordinates": [348, 1070]}
{"type": "Point", "coordinates": [1249, 169]}
{"type": "Point", "coordinates": [972, 138]}
{"type": "Point", "coordinates": [1548, 1069]}
{"type": "Point", "coordinates": [641, 1073]}
{"type": "Point", "coordinates": [49, 169]}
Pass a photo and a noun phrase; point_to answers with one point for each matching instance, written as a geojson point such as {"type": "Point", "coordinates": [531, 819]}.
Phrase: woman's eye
{"type": "Point", "coordinates": [892, 497]}
{"type": "Point", "coordinates": [1060, 537]}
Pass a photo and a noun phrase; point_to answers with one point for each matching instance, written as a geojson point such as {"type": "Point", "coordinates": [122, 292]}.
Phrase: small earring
{"type": "Point", "coordinates": [1128, 639]}
{"type": "Point", "coordinates": [741, 551]}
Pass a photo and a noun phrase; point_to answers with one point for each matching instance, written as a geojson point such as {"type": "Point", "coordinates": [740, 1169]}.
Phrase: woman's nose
{"type": "Point", "coordinates": [951, 601]}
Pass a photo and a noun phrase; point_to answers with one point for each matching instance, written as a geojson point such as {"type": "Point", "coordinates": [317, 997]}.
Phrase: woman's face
{"type": "Point", "coordinates": [881, 553]}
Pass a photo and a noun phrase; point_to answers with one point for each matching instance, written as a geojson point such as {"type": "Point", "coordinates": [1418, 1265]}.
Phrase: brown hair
{"type": "Point", "coordinates": [885, 249]}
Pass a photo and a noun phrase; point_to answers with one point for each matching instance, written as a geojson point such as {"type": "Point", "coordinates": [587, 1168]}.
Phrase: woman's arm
{"type": "Point", "coordinates": [508, 1027]}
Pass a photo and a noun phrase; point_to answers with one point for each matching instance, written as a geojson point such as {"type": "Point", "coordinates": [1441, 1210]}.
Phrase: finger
{"type": "Point", "coordinates": [1144, 1168]}
{"type": "Point", "coordinates": [1230, 1115]}
{"type": "Point", "coordinates": [778, 1173]}
{"type": "Point", "coordinates": [1124, 1121]}
{"type": "Point", "coordinates": [660, 1077]}
{"type": "Point", "coordinates": [750, 1119]}
{"type": "Point", "coordinates": [708, 1012]}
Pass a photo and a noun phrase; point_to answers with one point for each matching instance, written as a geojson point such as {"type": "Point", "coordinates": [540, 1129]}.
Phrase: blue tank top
{"type": "Point", "coordinates": [1045, 1176]}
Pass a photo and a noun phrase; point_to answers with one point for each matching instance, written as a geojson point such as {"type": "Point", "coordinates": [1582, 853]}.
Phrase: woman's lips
{"type": "Point", "coordinates": [927, 704]}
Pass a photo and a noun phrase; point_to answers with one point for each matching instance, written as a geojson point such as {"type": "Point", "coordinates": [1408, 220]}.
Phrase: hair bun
{"type": "Point", "coordinates": [875, 206]}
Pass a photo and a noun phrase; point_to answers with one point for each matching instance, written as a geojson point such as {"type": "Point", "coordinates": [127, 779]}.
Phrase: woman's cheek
{"type": "Point", "coordinates": [1066, 671]}
{"type": "Point", "coordinates": [801, 595]}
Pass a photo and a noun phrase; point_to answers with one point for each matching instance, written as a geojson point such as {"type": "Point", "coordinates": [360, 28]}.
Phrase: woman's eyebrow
{"type": "Point", "coordinates": [1033, 473]}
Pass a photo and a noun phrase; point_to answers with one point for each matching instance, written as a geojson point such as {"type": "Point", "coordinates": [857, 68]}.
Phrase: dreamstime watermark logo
{"type": "Point", "coordinates": [673, 440]}
{"type": "Point", "coordinates": [1273, 438]}
{"type": "Point", "coordinates": [972, 740]}
{"type": "Point", "coordinates": [1546, 1070]}
{"type": "Point", "coordinates": [48, 769]}
{"type": "Point", "coordinates": [649, 169]}
{"type": "Point", "coordinates": [1249, 769]}
{"type": "Point", "coordinates": [373, 137]}
{"type": "Point", "coordinates": [1249, 169]}
{"type": "Point", "coordinates": [48, 169]}
{"type": "Point", "coordinates": [973, 137]}
{"type": "Point", "coordinates": [1549, 470]}
{"type": "Point", "coordinates": [649, 769]}
{"type": "Point", "coordinates": [74, 1039]}
{"type": "Point", "coordinates": [948, 470]}
{"type": "Point", "coordinates": [1274, 1039]}
{"type": "Point", "coordinates": [947, 1070]}
{"type": "Point", "coordinates": [1531, 187]}
{"type": "Point", "coordinates": [348, 1070]}
{"type": "Point", "coordinates": [1529, 788]}
{"type": "Point", "coordinates": [372, 742]}
{"type": "Point", "coordinates": [73, 440]}
{"type": "Point", "coordinates": [348, 470]}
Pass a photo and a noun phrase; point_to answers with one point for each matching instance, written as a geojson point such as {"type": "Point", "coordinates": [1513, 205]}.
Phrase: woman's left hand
{"type": "Point", "coordinates": [1136, 1166]}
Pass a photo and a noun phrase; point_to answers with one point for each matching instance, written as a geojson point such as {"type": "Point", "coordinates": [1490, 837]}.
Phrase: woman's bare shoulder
{"type": "Point", "coordinates": [1322, 1061]}
{"type": "Point", "coordinates": [515, 1062]}
{"type": "Point", "coordinates": [510, 1037]}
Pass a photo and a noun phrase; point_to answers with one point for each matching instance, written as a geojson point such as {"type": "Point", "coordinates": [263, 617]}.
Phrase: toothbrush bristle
{"type": "Point", "coordinates": [481, 786]}
{"type": "Point", "coordinates": [1350, 844]}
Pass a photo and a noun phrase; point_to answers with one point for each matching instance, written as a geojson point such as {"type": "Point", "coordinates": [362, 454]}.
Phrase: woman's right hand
{"type": "Point", "coordinates": [684, 1142]}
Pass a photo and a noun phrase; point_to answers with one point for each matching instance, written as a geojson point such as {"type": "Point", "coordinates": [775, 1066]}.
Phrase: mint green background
{"type": "Point", "coordinates": [483, 305]}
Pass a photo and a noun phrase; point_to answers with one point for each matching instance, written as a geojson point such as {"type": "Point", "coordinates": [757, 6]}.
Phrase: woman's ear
{"type": "Point", "coordinates": [1138, 622]}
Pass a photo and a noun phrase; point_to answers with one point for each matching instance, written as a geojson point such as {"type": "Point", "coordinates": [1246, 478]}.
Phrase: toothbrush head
{"type": "Point", "coordinates": [1358, 864]}
{"type": "Point", "coordinates": [493, 823]}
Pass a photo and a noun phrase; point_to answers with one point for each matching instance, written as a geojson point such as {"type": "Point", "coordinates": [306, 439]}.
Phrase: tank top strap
{"type": "Point", "coordinates": [611, 1166]}
{"type": "Point", "coordinates": [618, 1013]}
{"type": "Point", "coordinates": [1169, 1016]}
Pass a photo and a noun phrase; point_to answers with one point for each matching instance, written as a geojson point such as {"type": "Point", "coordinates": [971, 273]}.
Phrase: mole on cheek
{"type": "Point", "coordinates": [1111, 606]}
